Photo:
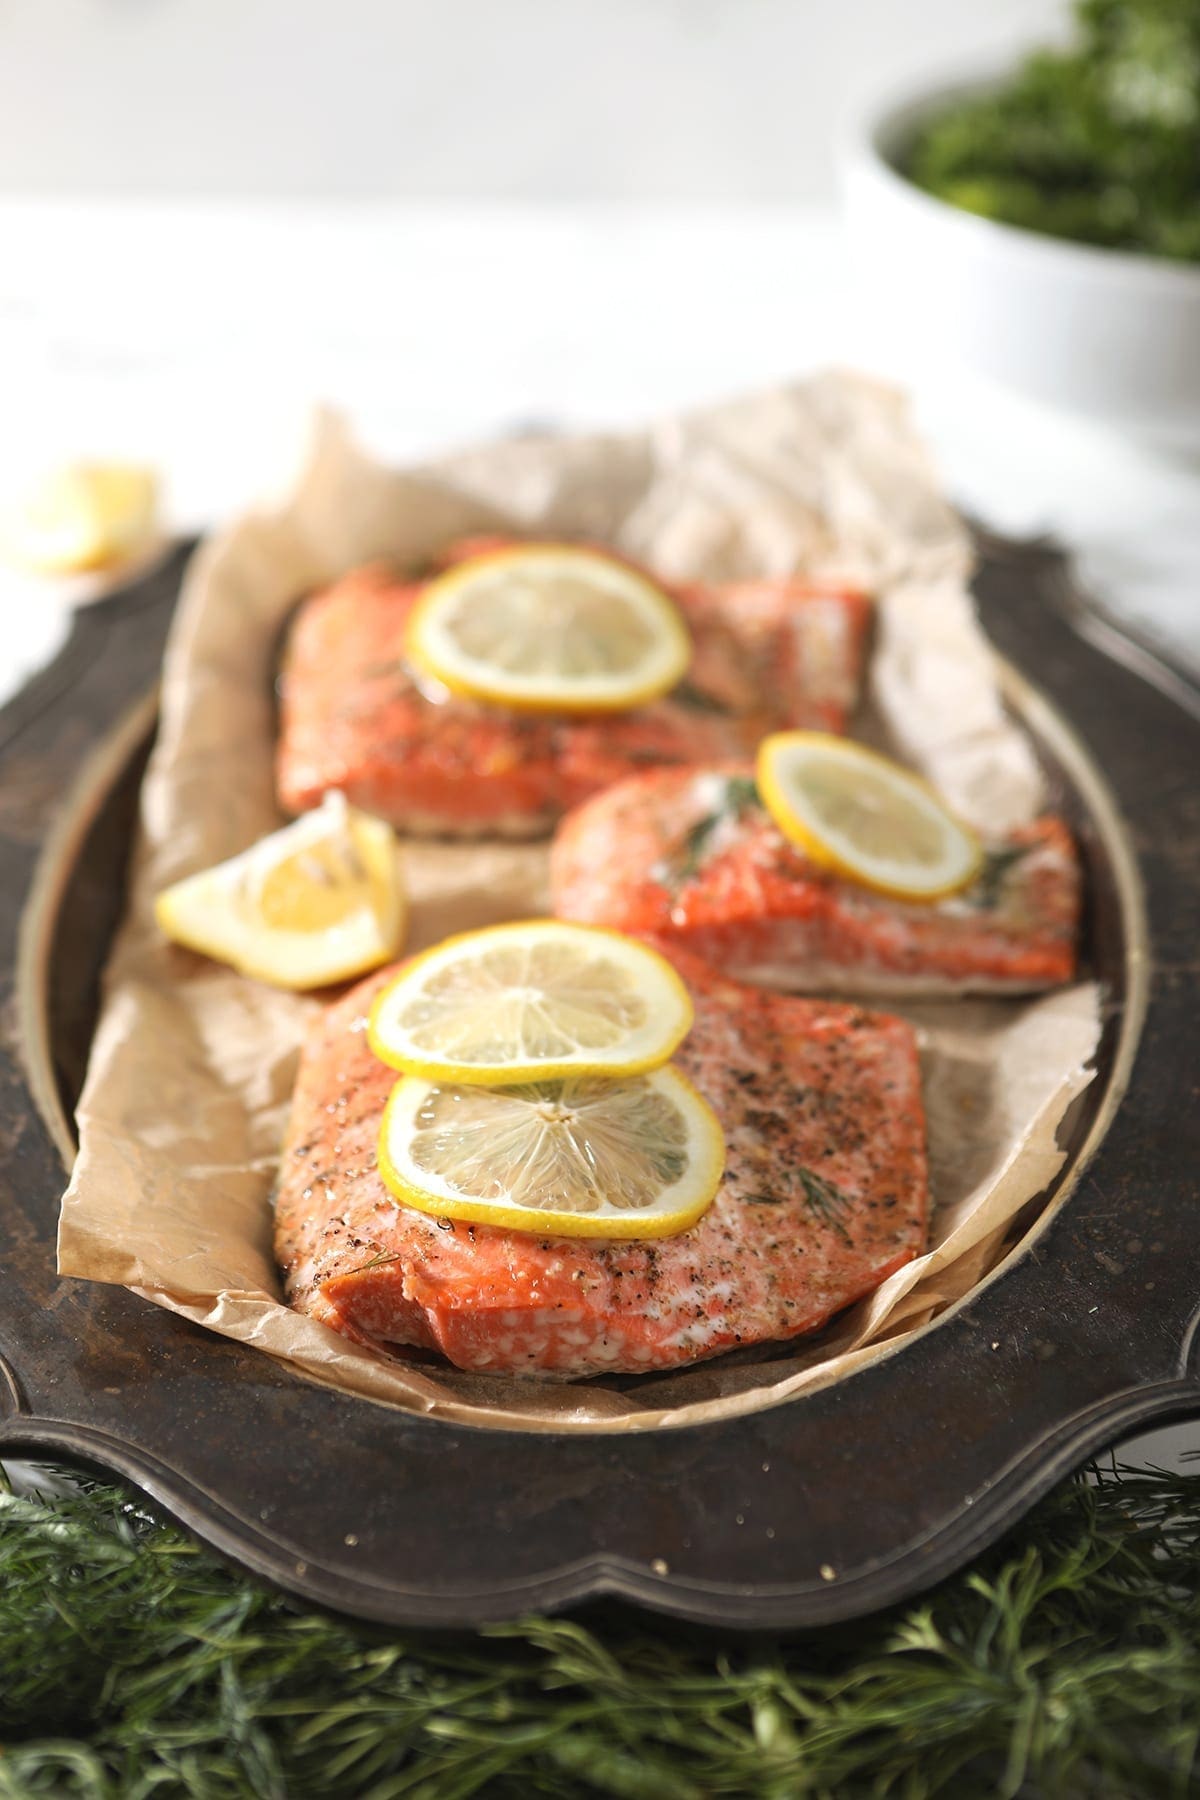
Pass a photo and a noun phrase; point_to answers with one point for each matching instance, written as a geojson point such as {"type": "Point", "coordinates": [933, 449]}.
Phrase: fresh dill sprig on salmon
{"type": "Point", "coordinates": [739, 794]}
{"type": "Point", "coordinates": [824, 1199]}
{"type": "Point", "coordinates": [690, 856]}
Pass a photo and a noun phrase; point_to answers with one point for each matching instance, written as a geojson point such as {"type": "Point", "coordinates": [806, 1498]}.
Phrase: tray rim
{"type": "Point", "coordinates": [1046, 1438]}
{"type": "Point", "coordinates": [81, 805]}
{"type": "Point", "coordinates": [1048, 726]}
{"type": "Point", "coordinates": [603, 1574]}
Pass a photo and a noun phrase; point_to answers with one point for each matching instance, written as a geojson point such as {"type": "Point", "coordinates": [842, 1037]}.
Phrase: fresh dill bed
{"type": "Point", "coordinates": [1065, 1665]}
{"type": "Point", "coordinates": [1098, 142]}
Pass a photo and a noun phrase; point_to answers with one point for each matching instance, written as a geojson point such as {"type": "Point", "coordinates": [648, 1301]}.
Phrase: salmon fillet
{"type": "Point", "coordinates": [692, 854]}
{"type": "Point", "coordinates": [824, 1194]}
{"type": "Point", "coordinates": [354, 716]}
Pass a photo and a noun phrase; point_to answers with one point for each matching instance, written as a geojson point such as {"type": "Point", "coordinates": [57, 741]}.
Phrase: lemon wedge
{"type": "Point", "coordinates": [586, 1157]}
{"type": "Point", "coordinates": [549, 628]}
{"type": "Point", "coordinates": [316, 902]}
{"type": "Point", "coordinates": [514, 1003]}
{"type": "Point", "coordinates": [84, 516]}
{"type": "Point", "coordinates": [865, 817]}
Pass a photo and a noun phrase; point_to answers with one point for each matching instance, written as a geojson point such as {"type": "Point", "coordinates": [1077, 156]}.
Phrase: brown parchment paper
{"type": "Point", "coordinates": [187, 1091]}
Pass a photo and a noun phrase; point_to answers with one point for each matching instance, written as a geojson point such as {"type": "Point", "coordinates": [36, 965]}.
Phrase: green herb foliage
{"type": "Point", "coordinates": [823, 1198]}
{"type": "Point", "coordinates": [739, 795]}
{"type": "Point", "coordinates": [697, 699]}
{"type": "Point", "coordinates": [987, 889]}
{"type": "Point", "coordinates": [1065, 1665]}
{"type": "Point", "coordinates": [1099, 142]}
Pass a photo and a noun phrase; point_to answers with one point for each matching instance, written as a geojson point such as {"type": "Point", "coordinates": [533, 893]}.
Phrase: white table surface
{"type": "Point", "coordinates": [201, 337]}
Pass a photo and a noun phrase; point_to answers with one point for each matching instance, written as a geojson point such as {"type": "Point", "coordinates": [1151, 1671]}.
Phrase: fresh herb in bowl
{"type": "Point", "coordinates": [1098, 142]}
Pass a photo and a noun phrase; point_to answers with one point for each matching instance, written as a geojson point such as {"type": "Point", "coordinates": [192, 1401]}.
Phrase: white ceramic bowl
{"type": "Point", "coordinates": [1103, 332]}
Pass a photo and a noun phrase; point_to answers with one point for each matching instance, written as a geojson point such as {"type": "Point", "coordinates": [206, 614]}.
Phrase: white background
{"type": "Point", "coordinates": [627, 100]}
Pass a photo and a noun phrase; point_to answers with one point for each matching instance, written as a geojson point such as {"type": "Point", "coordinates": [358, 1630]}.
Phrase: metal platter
{"type": "Point", "coordinates": [821, 1509]}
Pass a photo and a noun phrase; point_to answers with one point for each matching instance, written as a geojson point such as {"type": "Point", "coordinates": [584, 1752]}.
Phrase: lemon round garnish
{"type": "Point", "coordinates": [81, 517]}
{"type": "Point", "coordinates": [549, 628]}
{"type": "Point", "coordinates": [863, 816]}
{"type": "Point", "coordinates": [515, 1003]}
{"type": "Point", "coordinates": [641, 1157]}
{"type": "Point", "coordinates": [316, 902]}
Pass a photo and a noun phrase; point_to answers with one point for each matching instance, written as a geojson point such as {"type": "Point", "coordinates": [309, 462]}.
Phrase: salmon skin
{"type": "Point", "coordinates": [692, 855]}
{"type": "Point", "coordinates": [824, 1194]}
{"type": "Point", "coordinates": [355, 716]}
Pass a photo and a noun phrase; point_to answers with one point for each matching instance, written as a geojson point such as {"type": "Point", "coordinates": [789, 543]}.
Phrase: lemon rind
{"type": "Point", "coordinates": [512, 1074]}
{"type": "Point", "coordinates": [274, 973]}
{"type": "Point", "coordinates": [91, 540]}
{"type": "Point", "coordinates": [293, 968]}
{"type": "Point", "coordinates": [517, 699]}
{"type": "Point", "coordinates": [533, 1221]}
{"type": "Point", "coordinates": [819, 850]}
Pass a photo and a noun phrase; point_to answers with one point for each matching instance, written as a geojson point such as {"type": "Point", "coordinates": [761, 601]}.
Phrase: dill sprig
{"type": "Point", "coordinates": [824, 1199]}
{"type": "Point", "coordinates": [985, 891]}
{"type": "Point", "coordinates": [739, 793]}
{"type": "Point", "coordinates": [1064, 1665]}
{"type": "Point", "coordinates": [697, 699]}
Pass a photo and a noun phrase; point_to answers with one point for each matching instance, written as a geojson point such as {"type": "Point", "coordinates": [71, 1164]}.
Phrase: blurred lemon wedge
{"type": "Point", "coordinates": [640, 1157]}
{"type": "Point", "coordinates": [316, 902]}
{"type": "Point", "coordinates": [83, 516]}
{"type": "Point", "coordinates": [549, 628]}
{"type": "Point", "coordinates": [864, 816]}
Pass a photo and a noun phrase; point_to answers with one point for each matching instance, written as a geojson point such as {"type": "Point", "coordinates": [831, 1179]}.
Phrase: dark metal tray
{"type": "Point", "coordinates": [821, 1509]}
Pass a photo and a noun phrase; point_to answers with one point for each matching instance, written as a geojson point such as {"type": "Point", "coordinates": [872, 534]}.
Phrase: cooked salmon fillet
{"type": "Point", "coordinates": [693, 855]}
{"type": "Point", "coordinates": [824, 1194]}
{"type": "Point", "coordinates": [354, 716]}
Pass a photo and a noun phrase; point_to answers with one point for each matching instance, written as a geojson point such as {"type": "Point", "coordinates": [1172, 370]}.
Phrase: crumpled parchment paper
{"type": "Point", "coordinates": [191, 1071]}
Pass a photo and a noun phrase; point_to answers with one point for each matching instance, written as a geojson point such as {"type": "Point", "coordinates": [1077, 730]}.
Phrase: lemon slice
{"type": "Point", "coordinates": [515, 1003]}
{"type": "Point", "coordinates": [549, 628]}
{"type": "Point", "coordinates": [864, 816]}
{"type": "Point", "coordinates": [319, 901]}
{"type": "Point", "coordinates": [81, 517]}
{"type": "Point", "coordinates": [637, 1158]}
